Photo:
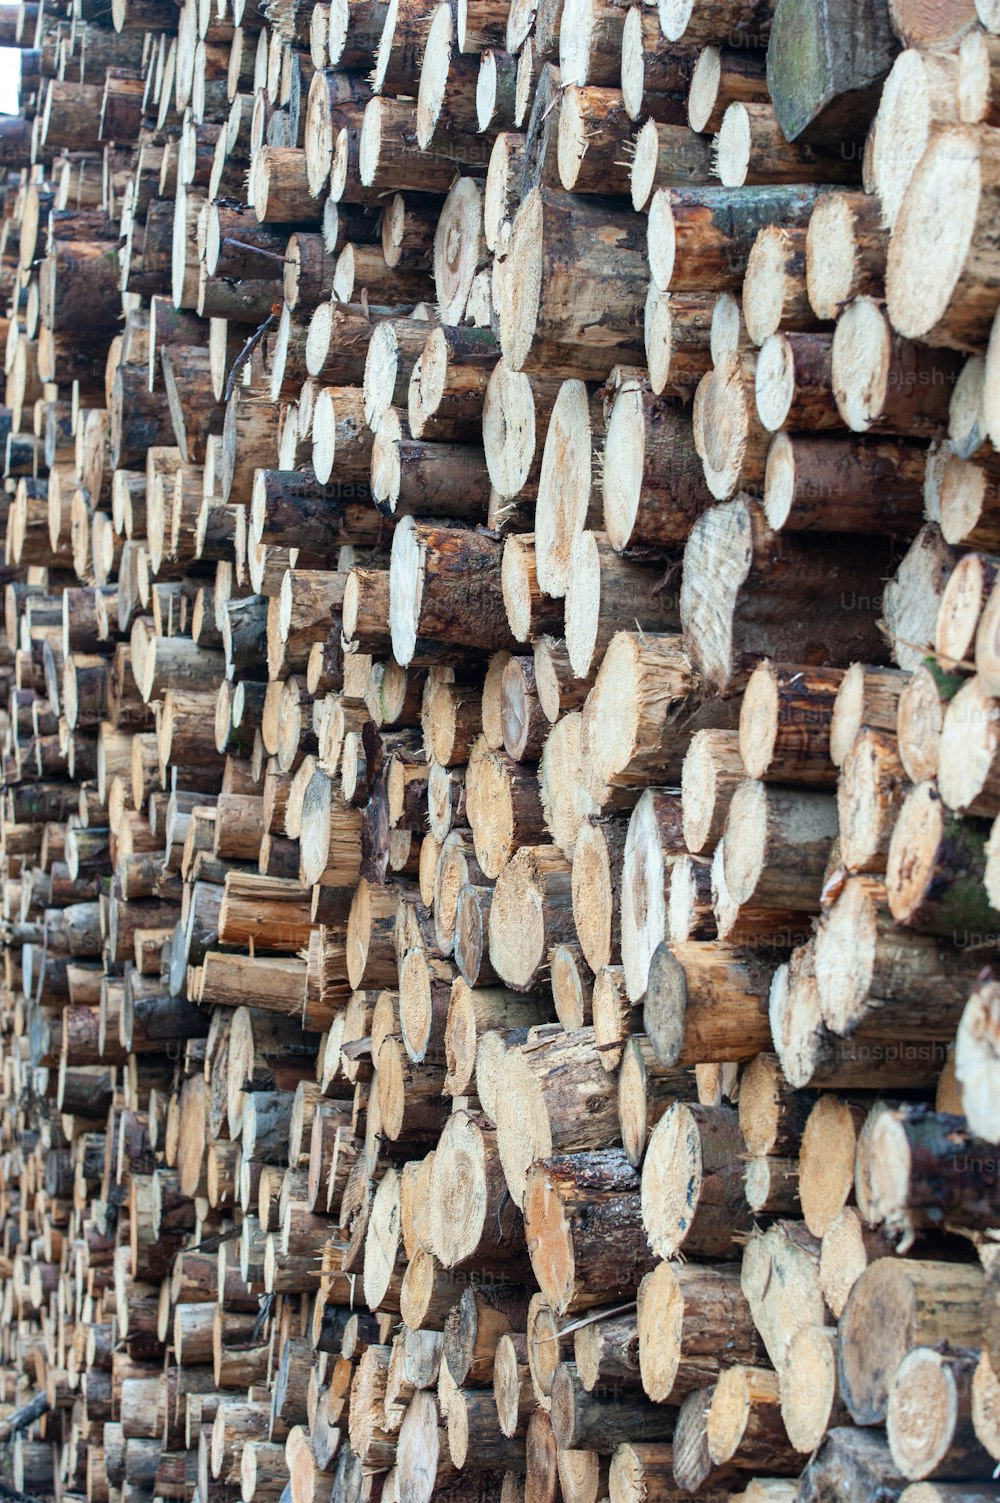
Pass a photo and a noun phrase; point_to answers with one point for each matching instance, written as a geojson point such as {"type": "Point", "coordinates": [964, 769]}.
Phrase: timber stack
{"type": "Point", "coordinates": [501, 751]}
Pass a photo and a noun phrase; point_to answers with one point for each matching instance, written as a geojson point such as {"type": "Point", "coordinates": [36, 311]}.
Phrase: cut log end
{"type": "Point", "coordinates": [932, 240]}
{"type": "Point", "coordinates": [520, 292]}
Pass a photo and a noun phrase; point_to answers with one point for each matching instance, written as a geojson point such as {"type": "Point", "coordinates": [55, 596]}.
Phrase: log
{"type": "Point", "coordinates": [654, 485]}
{"type": "Point", "coordinates": [744, 1425]}
{"type": "Point", "coordinates": [886, 964]}
{"type": "Point", "coordinates": [706, 1001]}
{"type": "Point", "coordinates": [943, 303]}
{"type": "Point", "coordinates": [531, 912]}
{"type": "Point", "coordinates": [845, 252]}
{"type": "Point", "coordinates": [700, 239]}
{"type": "Point", "coordinates": [923, 1298]}
{"type": "Point", "coordinates": [926, 875]}
{"type": "Point", "coordinates": [824, 85]}
{"type": "Point", "coordinates": [913, 1147]}
{"type": "Point", "coordinates": [467, 1170]}
{"type": "Point", "coordinates": [951, 1444]}
{"type": "Point", "coordinates": [583, 1223]}
{"type": "Point", "coordinates": [439, 584]}
{"type": "Point", "coordinates": [581, 1421]}
{"type": "Point", "coordinates": [693, 1321]}
{"type": "Point", "coordinates": [785, 723]}
{"type": "Point", "coordinates": [553, 234]}
{"type": "Point", "coordinates": [475, 1328]}
{"type": "Point", "coordinates": [538, 1108]}
{"type": "Point", "coordinates": [692, 1190]}
{"type": "Point", "coordinates": [853, 1464]}
{"type": "Point", "coordinates": [882, 382]}
{"type": "Point", "coordinates": [719, 625]}
{"type": "Point", "coordinates": [753, 148]}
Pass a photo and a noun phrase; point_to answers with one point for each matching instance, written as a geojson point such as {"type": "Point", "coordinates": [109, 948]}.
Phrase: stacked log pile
{"type": "Point", "coordinates": [500, 712]}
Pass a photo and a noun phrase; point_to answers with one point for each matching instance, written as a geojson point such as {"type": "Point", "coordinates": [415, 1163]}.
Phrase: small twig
{"type": "Point", "coordinates": [266, 1309]}
{"type": "Point", "coordinates": [213, 1243]}
{"type": "Point", "coordinates": [590, 1320]}
{"type": "Point", "coordinates": [246, 352]}
{"type": "Point", "coordinates": [11, 1495]}
{"type": "Point", "coordinates": [930, 652]}
{"type": "Point", "coordinates": [258, 250]}
{"type": "Point", "coordinates": [26, 1415]}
